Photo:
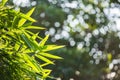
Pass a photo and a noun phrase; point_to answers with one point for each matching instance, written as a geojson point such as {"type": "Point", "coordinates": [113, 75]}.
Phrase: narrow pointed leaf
{"type": "Point", "coordinates": [45, 64]}
{"type": "Point", "coordinates": [35, 36]}
{"type": "Point", "coordinates": [47, 72]}
{"type": "Point", "coordinates": [51, 47]}
{"type": "Point", "coordinates": [44, 59]}
{"type": "Point", "coordinates": [42, 43]}
{"type": "Point", "coordinates": [4, 2]}
{"type": "Point", "coordinates": [15, 22]}
{"type": "Point", "coordinates": [31, 33]}
{"type": "Point", "coordinates": [26, 40]}
{"type": "Point", "coordinates": [22, 21]}
{"type": "Point", "coordinates": [26, 18]}
{"type": "Point", "coordinates": [31, 63]}
{"type": "Point", "coordinates": [30, 43]}
{"type": "Point", "coordinates": [50, 56]}
{"type": "Point", "coordinates": [33, 27]}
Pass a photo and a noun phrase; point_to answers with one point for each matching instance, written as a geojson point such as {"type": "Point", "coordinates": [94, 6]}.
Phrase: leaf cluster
{"type": "Point", "coordinates": [22, 57]}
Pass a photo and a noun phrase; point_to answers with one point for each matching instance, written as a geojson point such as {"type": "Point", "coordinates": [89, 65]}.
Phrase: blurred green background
{"type": "Point", "coordinates": [90, 29]}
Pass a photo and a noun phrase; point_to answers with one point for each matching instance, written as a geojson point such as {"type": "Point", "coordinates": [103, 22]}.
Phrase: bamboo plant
{"type": "Point", "coordinates": [21, 56]}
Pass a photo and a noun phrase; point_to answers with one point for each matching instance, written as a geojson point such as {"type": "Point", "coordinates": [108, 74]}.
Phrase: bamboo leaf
{"type": "Point", "coordinates": [47, 72]}
{"type": "Point", "coordinates": [4, 2]}
{"type": "Point", "coordinates": [26, 40]}
{"type": "Point", "coordinates": [50, 56]}
{"type": "Point", "coordinates": [45, 64]}
{"type": "Point", "coordinates": [25, 17]}
{"type": "Point", "coordinates": [15, 21]}
{"type": "Point", "coordinates": [35, 36]}
{"type": "Point", "coordinates": [42, 43]}
{"type": "Point", "coordinates": [51, 47]}
{"type": "Point", "coordinates": [31, 63]}
{"type": "Point", "coordinates": [33, 27]}
{"type": "Point", "coordinates": [31, 33]}
{"type": "Point", "coordinates": [30, 43]}
{"type": "Point", "coordinates": [17, 46]}
{"type": "Point", "coordinates": [44, 59]}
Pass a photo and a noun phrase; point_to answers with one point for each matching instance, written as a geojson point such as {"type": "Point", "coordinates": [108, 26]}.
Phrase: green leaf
{"type": "Point", "coordinates": [47, 72]}
{"type": "Point", "coordinates": [20, 45]}
{"type": "Point", "coordinates": [17, 46]}
{"type": "Point", "coordinates": [31, 63]}
{"type": "Point", "coordinates": [27, 16]}
{"type": "Point", "coordinates": [26, 40]}
{"type": "Point", "coordinates": [45, 64]}
{"type": "Point", "coordinates": [33, 27]}
{"type": "Point", "coordinates": [4, 2]}
{"type": "Point", "coordinates": [30, 43]}
{"type": "Point", "coordinates": [31, 33]}
{"type": "Point", "coordinates": [50, 56]}
{"type": "Point", "coordinates": [35, 36]}
{"type": "Point", "coordinates": [15, 21]}
{"type": "Point", "coordinates": [51, 47]}
{"type": "Point", "coordinates": [44, 59]}
{"type": "Point", "coordinates": [26, 34]}
{"type": "Point", "coordinates": [42, 43]}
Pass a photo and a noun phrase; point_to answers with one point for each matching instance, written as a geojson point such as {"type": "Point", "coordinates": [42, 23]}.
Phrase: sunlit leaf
{"type": "Point", "coordinates": [15, 21]}
{"type": "Point", "coordinates": [50, 55]}
{"type": "Point", "coordinates": [4, 2]}
{"type": "Point", "coordinates": [31, 33]}
{"type": "Point", "coordinates": [29, 43]}
{"type": "Point", "coordinates": [17, 46]}
{"type": "Point", "coordinates": [19, 49]}
{"type": "Point", "coordinates": [45, 64]}
{"type": "Point", "coordinates": [44, 59]}
{"type": "Point", "coordinates": [47, 72]}
{"type": "Point", "coordinates": [43, 41]}
{"type": "Point", "coordinates": [34, 27]}
{"type": "Point", "coordinates": [27, 16]}
{"type": "Point", "coordinates": [51, 47]}
{"type": "Point", "coordinates": [31, 62]}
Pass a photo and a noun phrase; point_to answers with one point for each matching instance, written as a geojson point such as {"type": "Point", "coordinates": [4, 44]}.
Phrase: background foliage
{"type": "Point", "coordinates": [88, 29]}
